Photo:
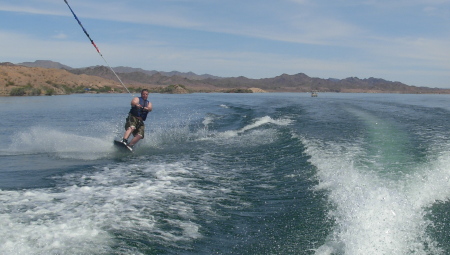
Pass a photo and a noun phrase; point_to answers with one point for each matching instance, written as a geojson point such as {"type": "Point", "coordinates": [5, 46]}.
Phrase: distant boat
{"type": "Point", "coordinates": [313, 94]}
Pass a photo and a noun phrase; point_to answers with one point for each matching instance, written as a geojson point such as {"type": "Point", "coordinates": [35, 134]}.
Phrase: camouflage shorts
{"type": "Point", "coordinates": [133, 121]}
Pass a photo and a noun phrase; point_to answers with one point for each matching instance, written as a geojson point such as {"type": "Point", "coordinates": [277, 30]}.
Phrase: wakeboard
{"type": "Point", "coordinates": [122, 146]}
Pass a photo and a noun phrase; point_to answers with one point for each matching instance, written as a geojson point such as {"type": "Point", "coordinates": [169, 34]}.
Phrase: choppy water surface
{"type": "Point", "coordinates": [227, 174]}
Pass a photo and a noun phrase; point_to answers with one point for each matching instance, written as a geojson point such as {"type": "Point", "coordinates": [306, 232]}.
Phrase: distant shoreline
{"type": "Point", "coordinates": [19, 80]}
{"type": "Point", "coordinates": [218, 92]}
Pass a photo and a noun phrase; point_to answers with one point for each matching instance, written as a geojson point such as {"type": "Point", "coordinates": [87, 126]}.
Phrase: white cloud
{"type": "Point", "coordinates": [301, 2]}
{"type": "Point", "coordinates": [420, 52]}
{"type": "Point", "coordinates": [20, 47]}
{"type": "Point", "coordinates": [296, 24]}
{"type": "Point", "coordinates": [30, 8]}
{"type": "Point", "coordinates": [60, 36]}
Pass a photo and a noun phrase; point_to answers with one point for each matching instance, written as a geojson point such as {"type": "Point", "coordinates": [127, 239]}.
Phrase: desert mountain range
{"type": "Point", "coordinates": [45, 77]}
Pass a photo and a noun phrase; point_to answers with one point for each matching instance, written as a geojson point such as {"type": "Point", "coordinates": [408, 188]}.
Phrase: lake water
{"type": "Point", "coordinates": [273, 173]}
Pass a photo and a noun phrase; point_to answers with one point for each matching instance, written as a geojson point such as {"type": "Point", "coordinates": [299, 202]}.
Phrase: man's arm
{"type": "Point", "coordinates": [135, 102]}
{"type": "Point", "coordinates": [149, 107]}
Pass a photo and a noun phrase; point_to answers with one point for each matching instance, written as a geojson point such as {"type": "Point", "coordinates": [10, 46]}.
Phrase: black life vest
{"type": "Point", "coordinates": [140, 112]}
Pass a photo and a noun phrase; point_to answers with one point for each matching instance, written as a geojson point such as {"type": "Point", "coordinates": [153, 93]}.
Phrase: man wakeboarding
{"type": "Point", "coordinates": [134, 123]}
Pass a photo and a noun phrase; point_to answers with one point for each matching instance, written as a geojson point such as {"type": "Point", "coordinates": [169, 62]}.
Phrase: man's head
{"type": "Point", "coordinates": [144, 94]}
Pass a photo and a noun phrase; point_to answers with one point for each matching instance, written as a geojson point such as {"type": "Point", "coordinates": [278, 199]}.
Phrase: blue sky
{"type": "Point", "coordinates": [397, 40]}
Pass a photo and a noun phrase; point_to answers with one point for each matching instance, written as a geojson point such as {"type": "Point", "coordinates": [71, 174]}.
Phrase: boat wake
{"type": "Point", "coordinates": [374, 214]}
{"type": "Point", "coordinates": [42, 140]}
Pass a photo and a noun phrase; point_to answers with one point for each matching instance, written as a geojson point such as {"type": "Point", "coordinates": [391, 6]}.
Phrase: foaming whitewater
{"type": "Point", "coordinates": [63, 144]}
{"type": "Point", "coordinates": [97, 212]}
{"type": "Point", "coordinates": [373, 214]}
{"type": "Point", "coordinates": [431, 183]}
{"type": "Point", "coordinates": [258, 122]}
{"type": "Point", "coordinates": [227, 174]}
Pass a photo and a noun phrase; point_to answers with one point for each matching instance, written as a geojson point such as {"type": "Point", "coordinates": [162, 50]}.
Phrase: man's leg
{"type": "Point", "coordinates": [128, 133]}
{"type": "Point", "coordinates": [135, 140]}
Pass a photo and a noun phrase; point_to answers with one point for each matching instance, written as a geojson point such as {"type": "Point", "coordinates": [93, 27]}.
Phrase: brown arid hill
{"type": "Point", "coordinates": [282, 83]}
{"type": "Point", "coordinates": [172, 89]}
{"type": "Point", "coordinates": [139, 79]}
{"type": "Point", "coordinates": [19, 80]}
{"type": "Point", "coordinates": [302, 83]}
{"type": "Point", "coordinates": [41, 81]}
{"type": "Point", "coordinates": [257, 90]}
{"type": "Point", "coordinates": [22, 80]}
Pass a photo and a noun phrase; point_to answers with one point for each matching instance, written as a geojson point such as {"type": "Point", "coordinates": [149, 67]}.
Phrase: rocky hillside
{"type": "Point", "coordinates": [21, 80]}
{"type": "Point", "coordinates": [143, 79]}
{"type": "Point", "coordinates": [303, 83]}
{"type": "Point", "coordinates": [48, 78]}
{"type": "Point", "coordinates": [284, 83]}
{"type": "Point", "coordinates": [46, 64]}
{"type": "Point", "coordinates": [17, 80]}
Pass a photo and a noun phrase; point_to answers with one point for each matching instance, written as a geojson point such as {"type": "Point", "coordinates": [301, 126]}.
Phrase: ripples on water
{"type": "Point", "coordinates": [227, 174]}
